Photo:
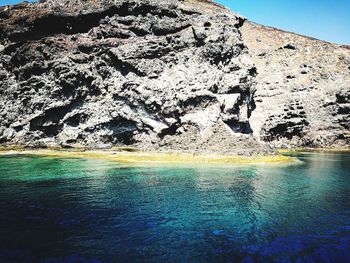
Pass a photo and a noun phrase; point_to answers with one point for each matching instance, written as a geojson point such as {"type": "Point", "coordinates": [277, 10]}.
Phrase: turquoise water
{"type": "Point", "coordinates": [84, 210]}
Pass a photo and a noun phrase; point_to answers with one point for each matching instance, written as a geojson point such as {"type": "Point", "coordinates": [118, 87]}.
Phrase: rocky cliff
{"type": "Point", "coordinates": [165, 75]}
{"type": "Point", "coordinates": [303, 89]}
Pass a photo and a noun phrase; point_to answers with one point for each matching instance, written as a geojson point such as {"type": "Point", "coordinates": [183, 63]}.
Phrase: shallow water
{"type": "Point", "coordinates": [85, 210]}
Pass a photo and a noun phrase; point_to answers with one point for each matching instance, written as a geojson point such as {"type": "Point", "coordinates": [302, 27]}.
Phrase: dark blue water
{"type": "Point", "coordinates": [77, 210]}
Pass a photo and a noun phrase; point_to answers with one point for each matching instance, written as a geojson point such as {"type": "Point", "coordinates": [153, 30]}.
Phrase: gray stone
{"type": "Point", "coordinates": [303, 89]}
{"type": "Point", "coordinates": [166, 75]}
{"type": "Point", "coordinates": [145, 74]}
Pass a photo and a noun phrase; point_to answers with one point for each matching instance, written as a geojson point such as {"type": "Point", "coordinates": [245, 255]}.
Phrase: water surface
{"type": "Point", "coordinates": [86, 210]}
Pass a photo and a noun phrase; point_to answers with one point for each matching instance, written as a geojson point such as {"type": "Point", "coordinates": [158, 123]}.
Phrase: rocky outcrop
{"type": "Point", "coordinates": [152, 74]}
{"type": "Point", "coordinates": [184, 75]}
{"type": "Point", "coordinates": [303, 89]}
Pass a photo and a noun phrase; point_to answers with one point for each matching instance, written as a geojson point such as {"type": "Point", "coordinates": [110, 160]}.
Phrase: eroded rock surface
{"type": "Point", "coordinates": [153, 74]}
{"type": "Point", "coordinates": [186, 75]}
{"type": "Point", "coordinates": [303, 89]}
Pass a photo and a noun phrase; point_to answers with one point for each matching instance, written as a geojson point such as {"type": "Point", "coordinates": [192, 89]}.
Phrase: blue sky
{"type": "Point", "coordinates": [324, 19]}
{"type": "Point", "coordinates": [12, 2]}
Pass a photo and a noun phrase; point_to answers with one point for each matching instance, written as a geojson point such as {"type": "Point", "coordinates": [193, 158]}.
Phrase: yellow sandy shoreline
{"type": "Point", "coordinates": [132, 156]}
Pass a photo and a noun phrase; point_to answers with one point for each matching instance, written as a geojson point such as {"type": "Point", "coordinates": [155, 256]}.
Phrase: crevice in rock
{"type": "Point", "coordinates": [172, 130]}
{"type": "Point", "coordinates": [286, 129]}
{"type": "Point", "coordinates": [289, 46]}
{"type": "Point", "coordinates": [76, 119]}
{"type": "Point", "coordinates": [125, 67]}
{"type": "Point", "coordinates": [122, 131]}
{"type": "Point", "coordinates": [239, 127]}
{"type": "Point", "coordinates": [253, 72]}
{"type": "Point", "coordinates": [3, 15]}
{"type": "Point", "coordinates": [202, 101]}
{"type": "Point", "coordinates": [240, 23]}
{"type": "Point", "coordinates": [235, 90]}
{"type": "Point", "coordinates": [158, 31]}
{"type": "Point", "coordinates": [50, 117]}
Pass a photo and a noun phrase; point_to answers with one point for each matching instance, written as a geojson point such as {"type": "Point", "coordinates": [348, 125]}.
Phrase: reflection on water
{"type": "Point", "coordinates": [77, 210]}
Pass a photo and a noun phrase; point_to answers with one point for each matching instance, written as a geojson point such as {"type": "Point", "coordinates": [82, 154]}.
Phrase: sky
{"type": "Point", "coordinates": [323, 19]}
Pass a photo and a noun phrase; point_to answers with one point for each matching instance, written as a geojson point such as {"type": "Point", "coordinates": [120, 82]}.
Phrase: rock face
{"type": "Point", "coordinates": [154, 74]}
{"type": "Point", "coordinates": [183, 75]}
{"type": "Point", "coordinates": [303, 89]}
